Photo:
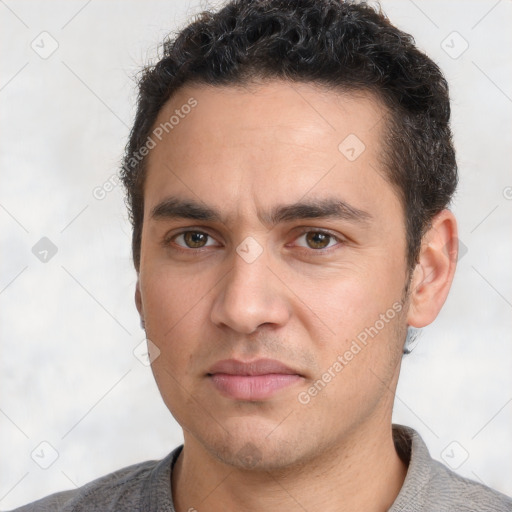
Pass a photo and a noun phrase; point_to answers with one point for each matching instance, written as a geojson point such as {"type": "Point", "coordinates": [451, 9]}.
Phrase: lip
{"type": "Point", "coordinates": [252, 380]}
{"type": "Point", "coordinates": [256, 367]}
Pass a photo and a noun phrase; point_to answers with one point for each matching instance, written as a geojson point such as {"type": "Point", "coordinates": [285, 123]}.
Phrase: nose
{"type": "Point", "coordinates": [249, 296]}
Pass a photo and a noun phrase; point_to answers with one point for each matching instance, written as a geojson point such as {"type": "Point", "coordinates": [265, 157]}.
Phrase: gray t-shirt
{"type": "Point", "coordinates": [429, 487]}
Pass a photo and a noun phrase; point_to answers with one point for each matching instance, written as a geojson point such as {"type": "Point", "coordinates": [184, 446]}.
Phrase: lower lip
{"type": "Point", "coordinates": [252, 387]}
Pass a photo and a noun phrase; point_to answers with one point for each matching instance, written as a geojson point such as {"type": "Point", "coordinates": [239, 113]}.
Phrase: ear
{"type": "Point", "coordinates": [433, 274]}
{"type": "Point", "coordinates": [138, 302]}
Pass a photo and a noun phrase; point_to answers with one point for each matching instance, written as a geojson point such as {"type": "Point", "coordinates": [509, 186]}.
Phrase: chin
{"type": "Point", "coordinates": [250, 450]}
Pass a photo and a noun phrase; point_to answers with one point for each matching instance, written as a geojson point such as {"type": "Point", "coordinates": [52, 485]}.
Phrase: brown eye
{"type": "Point", "coordinates": [192, 239]}
{"type": "Point", "coordinates": [317, 240]}
{"type": "Point", "coordinates": [195, 239]}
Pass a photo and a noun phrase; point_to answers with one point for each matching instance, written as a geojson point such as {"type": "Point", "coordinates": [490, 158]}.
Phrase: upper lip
{"type": "Point", "coordinates": [256, 367]}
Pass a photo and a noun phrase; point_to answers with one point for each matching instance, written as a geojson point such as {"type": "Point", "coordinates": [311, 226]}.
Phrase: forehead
{"type": "Point", "coordinates": [247, 147]}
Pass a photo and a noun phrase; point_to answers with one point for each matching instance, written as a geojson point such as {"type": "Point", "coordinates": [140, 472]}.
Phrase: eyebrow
{"type": "Point", "coordinates": [328, 208]}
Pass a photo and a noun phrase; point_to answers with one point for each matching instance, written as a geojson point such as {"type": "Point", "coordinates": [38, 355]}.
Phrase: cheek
{"type": "Point", "coordinates": [176, 392]}
{"type": "Point", "coordinates": [171, 297]}
{"type": "Point", "coordinates": [359, 362]}
{"type": "Point", "coordinates": [363, 327]}
{"type": "Point", "coordinates": [175, 307]}
{"type": "Point", "coordinates": [348, 305]}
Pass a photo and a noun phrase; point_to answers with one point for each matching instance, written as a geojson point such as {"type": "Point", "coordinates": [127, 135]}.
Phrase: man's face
{"type": "Point", "coordinates": [317, 287]}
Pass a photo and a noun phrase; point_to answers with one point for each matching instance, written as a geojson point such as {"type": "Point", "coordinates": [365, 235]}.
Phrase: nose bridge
{"type": "Point", "coordinates": [248, 296]}
{"type": "Point", "coordinates": [247, 280]}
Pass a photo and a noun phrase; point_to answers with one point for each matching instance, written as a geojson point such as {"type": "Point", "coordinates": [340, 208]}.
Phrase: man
{"type": "Point", "coordinates": [288, 177]}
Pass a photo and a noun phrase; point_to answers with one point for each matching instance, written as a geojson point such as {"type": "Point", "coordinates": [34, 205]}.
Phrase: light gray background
{"type": "Point", "coordinates": [69, 325]}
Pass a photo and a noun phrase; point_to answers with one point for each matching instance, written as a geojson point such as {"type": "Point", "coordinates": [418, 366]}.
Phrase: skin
{"type": "Point", "coordinates": [243, 152]}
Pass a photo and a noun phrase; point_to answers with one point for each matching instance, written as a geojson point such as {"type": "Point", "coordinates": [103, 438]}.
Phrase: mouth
{"type": "Point", "coordinates": [251, 381]}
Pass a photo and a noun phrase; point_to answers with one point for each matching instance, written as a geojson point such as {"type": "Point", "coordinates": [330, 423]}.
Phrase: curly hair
{"type": "Point", "coordinates": [338, 44]}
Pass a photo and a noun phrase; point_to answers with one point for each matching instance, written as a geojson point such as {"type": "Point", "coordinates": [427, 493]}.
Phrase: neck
{"type": "Point", "coordinates": [363, 472]}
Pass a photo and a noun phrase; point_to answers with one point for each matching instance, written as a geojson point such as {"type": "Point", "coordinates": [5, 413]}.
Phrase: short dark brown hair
{"type": "Point", "coordinates": [339, 44]}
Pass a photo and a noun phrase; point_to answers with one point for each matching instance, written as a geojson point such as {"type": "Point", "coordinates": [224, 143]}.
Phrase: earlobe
{"type": "Point", "coordinates": [433, 274]}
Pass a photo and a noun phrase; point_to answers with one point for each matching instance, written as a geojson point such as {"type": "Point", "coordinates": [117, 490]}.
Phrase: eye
{"type": "Point", "coordinates": [317, 240]}
{"type": "Point", "coordinates": [193, 239]}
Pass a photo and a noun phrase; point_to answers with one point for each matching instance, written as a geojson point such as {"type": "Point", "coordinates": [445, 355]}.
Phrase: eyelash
{"type": "Point", "coordinates": [167, 241]}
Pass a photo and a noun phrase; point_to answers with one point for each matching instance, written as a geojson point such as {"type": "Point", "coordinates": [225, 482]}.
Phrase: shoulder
{"type": "Point", "coordinates": [432, 487]}
{"type": "Point", "coordinates": [125, 489]}
{"type": "Point", "coordinates": [455, 493]}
